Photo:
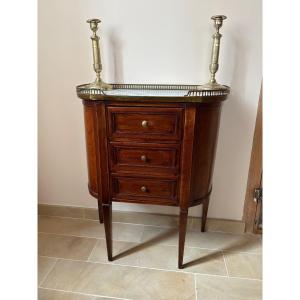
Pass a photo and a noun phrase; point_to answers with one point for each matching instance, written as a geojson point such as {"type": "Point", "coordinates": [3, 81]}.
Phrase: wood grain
{"type": "Point", "coordinates": [168, 162]}
{"type": "Point", "coordinates": [255, 172]}
{"type": "Point", "coordinates": [163, 123]}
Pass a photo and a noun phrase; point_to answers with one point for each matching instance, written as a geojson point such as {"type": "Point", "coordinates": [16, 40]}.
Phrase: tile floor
{"type": "Point", "coordinates": [73, 265]}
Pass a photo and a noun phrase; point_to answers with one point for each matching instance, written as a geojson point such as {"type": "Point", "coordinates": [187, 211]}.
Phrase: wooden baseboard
{"type": "Point", "coordinates": [220, 225]}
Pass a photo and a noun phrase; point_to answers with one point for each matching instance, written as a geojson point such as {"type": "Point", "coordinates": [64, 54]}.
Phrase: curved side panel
{"type": "Point", "coordinates": [205, 141]}
{"type": "Point", "coordinates": [89, 121]}
{"type": "Point", "coordinates": [93, 192]}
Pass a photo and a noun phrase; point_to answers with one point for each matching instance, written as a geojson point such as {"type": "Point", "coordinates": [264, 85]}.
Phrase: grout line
{"type": "Point", "coordinates": [136, 242]}
{"type": "Point", "coordinates": [231, 277]}
{"type": "Point", "coordinates": [71, 235]}
{"type": "Point", "coordinates": [169, 226]}
{"type": "Point", "coordinates": [225, 264]}
{"type": "Point", "coordinates": [239, 252]}
{"type": "Point", "coordinates": [51, 269]}
{"type": "Point", "coordinates": [146, 225]}
{"type": "Point", "coordinates": [85, 294]}
{"type": "Point", "coordinates": [72, 218]}
{"type": "Point", "coordinates": [64, 205]}
{"type": "Point", "coordinates": [195, 281]}
{"type": "Point", "coordinates": [138, 224]}
{"type": "Point", "coordinates": [88, 259]}
{"type": "Point", "coordinates": [150, 268]}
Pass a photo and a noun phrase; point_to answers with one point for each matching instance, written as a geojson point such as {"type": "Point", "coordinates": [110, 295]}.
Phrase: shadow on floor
{"type": "Point", "coordinates": [233, 247]}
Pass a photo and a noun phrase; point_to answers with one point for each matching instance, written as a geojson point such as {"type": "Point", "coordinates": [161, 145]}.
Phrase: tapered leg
{"type": "Point", "coordinates": [182, 231]}
{"type": "Point", "coordinates": [107, 211]}
{"type": "Point", "coordinates": [204, 213]}
{"type": "Point", "coordinates": [100, 211]}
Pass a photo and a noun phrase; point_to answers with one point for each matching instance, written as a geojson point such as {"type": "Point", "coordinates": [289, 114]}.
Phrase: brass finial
{"type": "Point", "coordinates": [98, 83]}
{"type": "Point", "coordinates": [214, 64]}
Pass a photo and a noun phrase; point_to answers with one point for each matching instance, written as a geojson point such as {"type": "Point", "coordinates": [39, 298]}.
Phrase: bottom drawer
{"type": "Point", "coordinates": [144, 190]}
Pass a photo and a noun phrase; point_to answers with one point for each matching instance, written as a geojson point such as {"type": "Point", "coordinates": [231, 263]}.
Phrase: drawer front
{"type": "Point", "coordinates": [144, 190]}
{"type": "Point", "coordinates": [133, 156]}
{"type": "Point", "coordinates": [145, 122]}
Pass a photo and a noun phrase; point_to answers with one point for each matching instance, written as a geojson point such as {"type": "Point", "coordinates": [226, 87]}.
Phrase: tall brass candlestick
{"type": "Point", "coordinates": [98, 83]}
{"type": "Point", "coordinates": [214, 65]}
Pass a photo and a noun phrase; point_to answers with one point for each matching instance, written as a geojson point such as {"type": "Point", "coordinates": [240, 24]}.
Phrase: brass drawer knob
{"type": "Point", "coordinates": [144, 158]}
{"type": "Point", "coordinates": [145, 124]}
{"type": "Point", "coordinates": [143, 189]}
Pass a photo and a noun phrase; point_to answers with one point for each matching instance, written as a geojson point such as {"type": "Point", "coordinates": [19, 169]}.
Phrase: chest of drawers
{"type": "Point", "coordinates": [151, 150]}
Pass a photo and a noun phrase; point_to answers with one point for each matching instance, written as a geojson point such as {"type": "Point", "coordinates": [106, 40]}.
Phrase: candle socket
{"type": "Point", "coordinates": [214, 64]}
{"type": "Point", "coordinates": [98, 83]}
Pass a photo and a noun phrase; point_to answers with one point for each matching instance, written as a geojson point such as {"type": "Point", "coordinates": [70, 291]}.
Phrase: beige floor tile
{"type": "Point", "coordinates": [248, 243]}
{"type": "Point", "coordinates": [143, 254]}
{"type": "Point", "coordinates": [89, 228]}
{"type": "Point", "coordinates": [206, 240]}
{"type": "Point", "coordinates": [45, 294]}
{"type": "Point", "coordinates": [123, 253]}
{"type": "Point", "coordinates": [44, 266]}
{"type": "Point", "coordinates": [68, 226]}
{"type": "Point", "coordinates": [145, 218]}
{"type": "Point", "coordinates": [127, 232]}
{"type": "Point", "coordinates": [244, 265]}
{"type": "Point", "coordinates": [219, 225]}
{"type": "Point", "coordinates": [118, 281]}
{"type": "Point", "coordinates": [164, 236]}
{"type": "Point", "coordinates": [195, 260]}
{"type": "Point", "coordinates": [226, 241]}
{"type": "Point", "coordinates": [223, 288]}
{"type": "Point", "coordinates": [204, 261]}
{"type": "Point", "coordinates": [194, 223]}
{"type": "Point", "coordinates": [62, 211]}
{"type": "Point", "coordinates": [65, 246]}
{"type": "Point", "coordinates": [161, 257]}
{"type": "Point", "coordinates": [91, 213]}
{"type": "Point", "coordinates": [228, 226]}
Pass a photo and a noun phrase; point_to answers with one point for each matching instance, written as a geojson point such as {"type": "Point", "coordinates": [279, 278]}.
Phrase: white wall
{"type": "Point", "coordinates": [154, 41]}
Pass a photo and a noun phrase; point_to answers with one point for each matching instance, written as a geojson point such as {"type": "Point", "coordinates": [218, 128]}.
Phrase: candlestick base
{"type": "Point", "coordinates": [100, 85]}
{"type": "Point", "coordinates": [212, 86]}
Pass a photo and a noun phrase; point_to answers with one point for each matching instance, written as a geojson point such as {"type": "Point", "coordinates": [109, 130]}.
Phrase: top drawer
{"type": "Point", "coordinates": [155, 123]}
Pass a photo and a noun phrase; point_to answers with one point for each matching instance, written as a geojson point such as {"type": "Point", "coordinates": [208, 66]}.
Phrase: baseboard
{"type": "Point", "coordinates": [218, 225]}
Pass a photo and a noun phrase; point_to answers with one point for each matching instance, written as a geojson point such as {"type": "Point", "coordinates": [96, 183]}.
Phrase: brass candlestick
{"type": "Point", "coordinates": [98, 83]}
{"type": "Point", "coordinates": [214, 65]}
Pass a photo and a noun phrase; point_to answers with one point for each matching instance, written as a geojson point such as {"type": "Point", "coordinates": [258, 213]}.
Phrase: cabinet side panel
{"type": "Point", "coordinates": [89, 121]}
{"type": "Point", "coordinates": [187, 156]}
{"type": "Point", "coordinates": [205, 141]}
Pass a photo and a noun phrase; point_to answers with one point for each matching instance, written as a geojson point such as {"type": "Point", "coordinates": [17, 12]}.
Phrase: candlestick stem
{"type": "Point", "coordinates": [98, 83]}
{"type": "Point", "coordinates": [214, 63]}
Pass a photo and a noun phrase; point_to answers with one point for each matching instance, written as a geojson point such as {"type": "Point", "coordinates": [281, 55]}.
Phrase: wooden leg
{"type": "Point", "coordinates": [107, 214]}
{"type": "Point", "coordinates": [100, 211]}
{"type": "Point", "coordinates": [204, 213]}
{"type": "Point", "coordinates": [182, 231]}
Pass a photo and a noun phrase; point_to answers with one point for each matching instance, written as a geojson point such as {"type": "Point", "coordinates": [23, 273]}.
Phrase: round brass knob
{"type": "Point", "coordinates": [144, 124]}
{"type": "Point", "coordinates": [143, 189]}
{"type": "Point", "coordinates": [144, 158]}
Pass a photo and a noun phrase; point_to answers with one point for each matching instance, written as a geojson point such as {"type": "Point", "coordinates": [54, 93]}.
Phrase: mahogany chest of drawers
{"type": "Point", "coordinates": [151, 150]}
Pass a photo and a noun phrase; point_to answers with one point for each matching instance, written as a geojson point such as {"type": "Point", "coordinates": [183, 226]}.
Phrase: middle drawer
{"type": "Point", "coordinates": [152, 157]}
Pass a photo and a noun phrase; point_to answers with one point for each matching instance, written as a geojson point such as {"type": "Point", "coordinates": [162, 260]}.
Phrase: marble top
{"type": "Point", "coordinates": [146, 93]}
{"type": "Point", "coordinates": [150, 90]}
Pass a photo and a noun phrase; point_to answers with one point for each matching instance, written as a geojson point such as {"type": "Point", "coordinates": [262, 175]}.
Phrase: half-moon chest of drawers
{"type": "Point", "coordinates": [151, 150]}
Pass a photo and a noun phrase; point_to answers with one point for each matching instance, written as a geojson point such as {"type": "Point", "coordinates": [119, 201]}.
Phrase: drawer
{"type": "Point", "coordinates": [145, 122]}
{"type": "Point", "coordinates": [144, 157]}
{"type": "Point", "coordinates": [144, 190]}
